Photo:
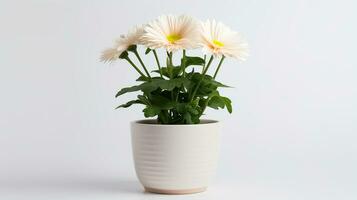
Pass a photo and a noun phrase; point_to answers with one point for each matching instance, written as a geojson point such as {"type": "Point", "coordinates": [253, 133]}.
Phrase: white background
{"type": "Point", "coordinates": [292, 134]}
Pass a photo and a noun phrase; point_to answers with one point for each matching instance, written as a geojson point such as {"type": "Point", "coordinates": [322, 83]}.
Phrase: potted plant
{"type": "Point", "coordinates": [176, 151]}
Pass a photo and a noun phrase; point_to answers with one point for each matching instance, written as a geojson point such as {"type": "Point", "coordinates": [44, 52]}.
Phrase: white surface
{"type": "Point", "coordinates": [292, 134]}
{"type": "Point", "coordinates": [130, 189]}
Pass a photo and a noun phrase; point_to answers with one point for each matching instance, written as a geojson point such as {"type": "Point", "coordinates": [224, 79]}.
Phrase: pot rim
{"type": "Point", "coordinates": [152, 122]}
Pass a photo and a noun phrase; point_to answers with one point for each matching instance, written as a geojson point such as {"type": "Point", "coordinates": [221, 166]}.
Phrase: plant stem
{"type": "Point", "coordinates": [183, 67]}
{"type": "Point", "coordinates": [207, 66]}
{"type": "Point", "coordinates": [157, 61]}
{"type": "Point", "coordinates": [219, 66]}
{"type": "Point", "coordinates": [142, 63]}
{"type": "Point", "coordinates": [203, 75]}
{"type": "Point", "coordinates": [183, 64]}
{"type": "Point", "coordinates": [135, 67]}
{"type": "Point", "coordinates": [169, 63]}
{"type": "Point", "coordinates": [214, 76]}
{"type": "Point", "coordinates": [169, 67]}
{"type": "Point", "coordinates": [170, 58]}
{"type": "Point", "coordinates": [177, 95]}
{"type": "Point", "coordinates": [203, 66]}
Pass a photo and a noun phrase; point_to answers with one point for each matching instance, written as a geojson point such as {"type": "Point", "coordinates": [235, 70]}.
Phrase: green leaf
{"type": "Point", "coordinates": [163, 117]}
{"type": "Point", "coordinates": [165, 71]}
{"type": "Point", "coordinates": [187, 118]}
{"type": "Point", "coordinates": [214, 93]}
{"type": "Point", "coordinates": [129, 103]}
{"type": "Point", "coordinates": [228, 104]}
{"type": "Point", "coordinates": [150, 111]}
{"type": "Point", "coordinates": [129, 89]}
{"type": "Point", "coordinates": [195, 119]}
{"type": "Point", "coordinates": [193, 61]}
{"type": "Point", "coordinates": [195, 102]}
{"type": "Point", "coordinates": [144, 99]}
{"type": "Point", "coordinates": [171, 84]}
{"type": "Point", "coordinates": [206, 79]}
{"type": "Point", "coordinates": [146, 79]}
{"type": "Point", "coordinates": [143, 78]}
{"type": "Point", "coordinates": [206, 84]}
{"type": "Point", "coordinates": [154, 84]}
{"type": "Point", "coordinates": [183, 108]}
{"type": "Point", "coordinates": [161, 102]}
{"type": "Point", "coordinates": [145, 87]}
{"type": "Point", "coordinates": [218, 84]}
{"type": "Point", "coordinates": [216, 102]}
{"type": "Point", "coordinates": [192, 110]}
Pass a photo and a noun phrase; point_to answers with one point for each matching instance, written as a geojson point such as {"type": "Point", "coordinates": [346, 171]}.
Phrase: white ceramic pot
{"type": "Point", "coordinates": [175, 159]}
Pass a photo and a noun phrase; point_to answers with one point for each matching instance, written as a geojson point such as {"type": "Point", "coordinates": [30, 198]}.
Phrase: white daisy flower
{"type": "Point", "coordinates": [218, 39]}
{"type": "Point", "coordinates": [110, 55]}
{"type": "Point", "coordinates": [122, 44]}
{"type": "Point", "coordinates": [171, 32]}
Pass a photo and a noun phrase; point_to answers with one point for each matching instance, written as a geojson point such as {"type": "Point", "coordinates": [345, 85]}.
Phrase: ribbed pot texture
{"type": "Point", "coordinates": [175, 159]}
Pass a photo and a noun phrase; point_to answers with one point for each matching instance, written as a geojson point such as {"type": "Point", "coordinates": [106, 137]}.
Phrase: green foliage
{"type": "Point", "coordinates": [175, 96]}
{"type": "Point", "coordinates": [188, 61]}
{"type": "Point", "coordinates": [128, 104]}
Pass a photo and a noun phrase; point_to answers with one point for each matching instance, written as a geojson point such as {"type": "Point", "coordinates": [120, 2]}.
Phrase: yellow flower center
{"type": "Point", "coordinates": [218, 43]}
{"type": "Point", "coordinates": [173, 38]}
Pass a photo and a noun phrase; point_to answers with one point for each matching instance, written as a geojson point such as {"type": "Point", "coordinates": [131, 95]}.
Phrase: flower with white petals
{"type": "Point", "coordinates": [171, 32]}
{"type": "Point", "coordinates": [122, 44]}
{"type": "Point", "coordinates": [218, 39]}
